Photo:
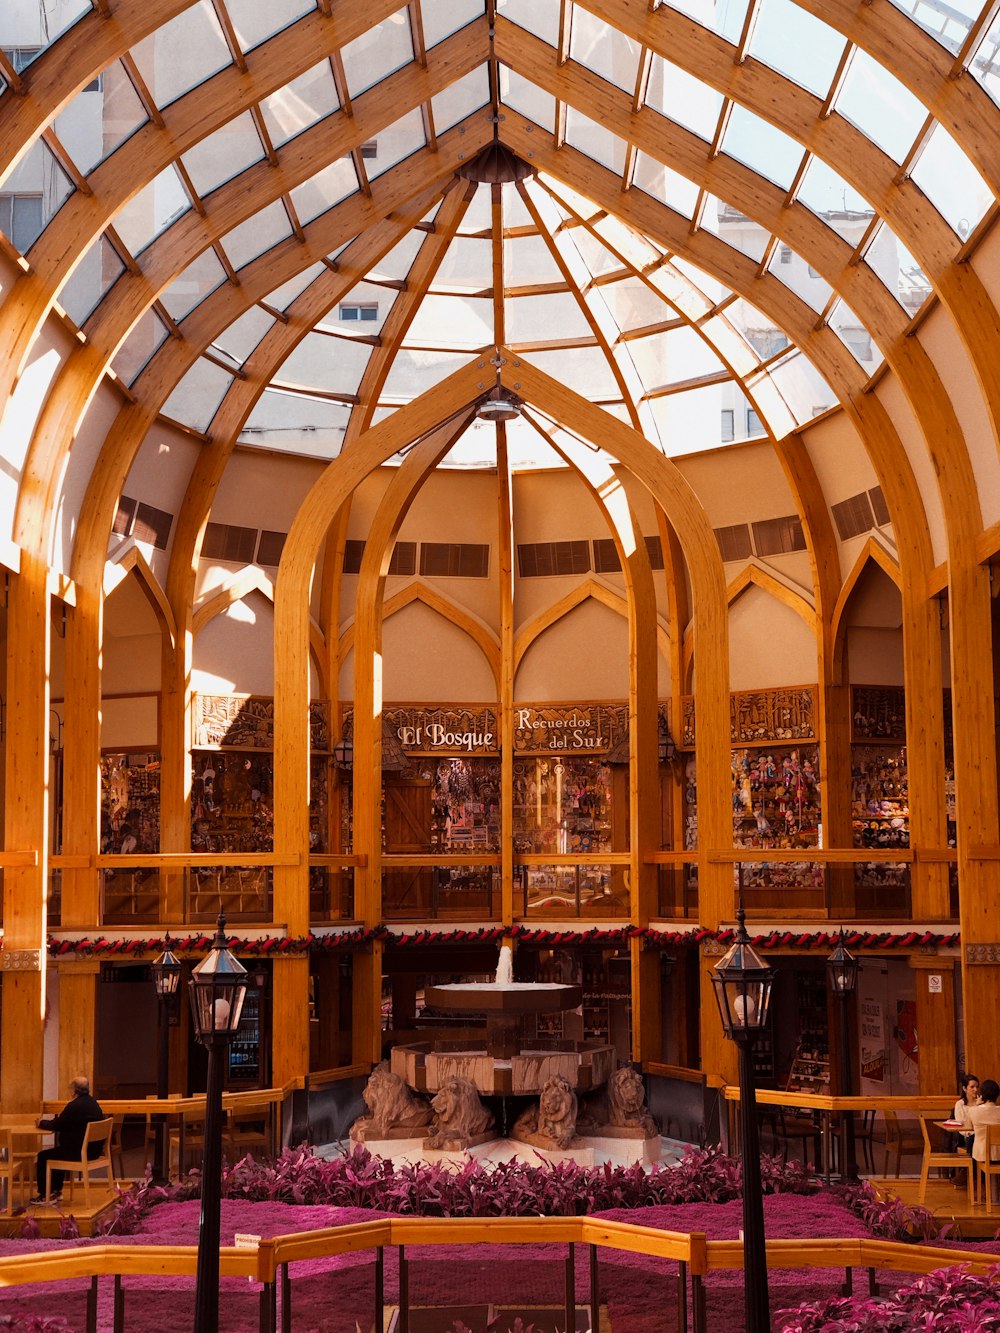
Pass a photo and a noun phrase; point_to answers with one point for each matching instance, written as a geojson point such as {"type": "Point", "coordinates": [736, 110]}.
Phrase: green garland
{"type": "Point", "coordinates": [276, 946]}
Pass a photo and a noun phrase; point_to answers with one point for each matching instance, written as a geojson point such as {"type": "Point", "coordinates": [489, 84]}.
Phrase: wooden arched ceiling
{"type": "Point", "coordinates": [352, 238]}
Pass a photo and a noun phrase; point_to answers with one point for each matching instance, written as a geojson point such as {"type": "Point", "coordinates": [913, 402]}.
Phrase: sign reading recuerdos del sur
{"type": "Point", "coordinates": [538, 728]}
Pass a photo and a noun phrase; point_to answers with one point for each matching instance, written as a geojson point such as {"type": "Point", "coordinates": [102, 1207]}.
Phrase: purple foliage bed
{"type": "Point", "coordinates": [336, 1295]}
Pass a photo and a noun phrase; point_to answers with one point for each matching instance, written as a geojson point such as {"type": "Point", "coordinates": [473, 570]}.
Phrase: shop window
{"type": "Point", "coordinates": [606, 559]}
{"type": "Point", "coordinates": [225, 542]}
{"type": "Point", "coordinates": [853, 516]}
{"type": "Point", "coordinates": [777, 536]}
{"type": "Point", "coordinates": [124, 515]}
{"type": "Point", "coordinates": [754, 424]}
{"type": "Point", "coordinates": [152, 526]}
{"type": "Point", "coordinates": [270, 547]}
{"type": "Point", "coordinates": [403, 562]}
{"type": "Point", "coordinates": [734, 542]}
{"type": "Point", "coordinates": [369, 149]}
{"type": "Point", "coordinates": [879, 507]}
{"type": "Point", "coordinates": [454, 560]}
{"type": "Point", "coordinates": [538, 560]}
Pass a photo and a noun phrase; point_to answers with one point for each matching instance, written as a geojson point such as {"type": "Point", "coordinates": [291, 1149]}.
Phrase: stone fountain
{"type": "Point", "coordinates": [511, 1061]}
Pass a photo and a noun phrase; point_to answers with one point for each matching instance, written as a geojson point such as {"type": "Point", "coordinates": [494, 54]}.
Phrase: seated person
{"type": "Point", "coordinates": [70, 1127]}
{"type": "Point", "coordinates": [987, 1113]}
{"type": "Point", "coordinates": [968, 1086]}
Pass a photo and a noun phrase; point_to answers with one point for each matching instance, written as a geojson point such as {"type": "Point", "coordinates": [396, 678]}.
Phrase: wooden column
{"type": "Point", "coordinates": [925, 757]}
{"type": "Point", "coordinates": [938, 1053]}
{"type": "Point", "coordinates": [505, 719]}
{"type": "Point", "coordinates": [81, 887]}
{"type": "Point", "coordinates": [175, 762]}
{"type": "Point", "coordinates": [78, 983]}
{"type": "Point", "coordinates": [26, 826]}
{"type": "Point", "coordinates": [289, 1017]}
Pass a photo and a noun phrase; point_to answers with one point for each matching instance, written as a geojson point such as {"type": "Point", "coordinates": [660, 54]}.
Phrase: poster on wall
{"type": "Point", "coordinates": [871, 1030]}
{"type": "Point", "coordinates": [905, 1048]}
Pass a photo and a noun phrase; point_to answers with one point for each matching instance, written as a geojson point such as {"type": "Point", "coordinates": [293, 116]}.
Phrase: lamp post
{"type": "Point", "coordinates": [218, 986]}
{"type": "Point", "coordinates": [842, 969]}
{"type": "Point", "coordinates": [743, 992]}
{"type": "Point", "coordinates": [166, 978]}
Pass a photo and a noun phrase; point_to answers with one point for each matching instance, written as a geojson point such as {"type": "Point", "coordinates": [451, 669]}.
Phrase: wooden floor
{"type": "Point", "coordinates": [950, 1205]}
{"type": "Point", "coordinates": [50, 1218]}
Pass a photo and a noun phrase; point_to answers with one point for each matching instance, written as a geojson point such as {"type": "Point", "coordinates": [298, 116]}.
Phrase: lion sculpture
{"type": "Point", "coordinates": [395, 1111]}
{"type": "Point", "coordinates": [627, 1103]}
{"type": "Point", "coordinates": [551, 1122]}
{"type": "Point", "coordinates": [460, 1118]}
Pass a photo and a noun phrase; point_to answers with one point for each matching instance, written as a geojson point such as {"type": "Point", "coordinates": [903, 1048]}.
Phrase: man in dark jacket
{"type": "Point", "coordinates": [70, 1127]}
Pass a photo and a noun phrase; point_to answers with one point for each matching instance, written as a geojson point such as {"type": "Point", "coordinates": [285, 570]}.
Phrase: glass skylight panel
{"type": "Point", "coordinates": [584, 370]}
{"type": "Point", "coordinates": [32, 195]}
{"type": "Point", "coordinates": [440, 21]}
{"type": "Point", "coordinates": [324, 190]}
{"type": "Point", "coordinates": [792, 41]}
{"type": "Point", "coordinates": [189, 288]}
{"type": "Point", "coordinates": [139, 346]}
{"type": "Point", "coordinates": [680, 96]}
{"type": "Point", "coordinates": [54, 18]}
{"type": "Point", "coordinates": [195, 400]}
{"type": "Point", "coordinates": [695, 290]}
{"type": "Point", "coordinates": [634, 305]}
{"type": "Point", "coordinates": [224, 154]}
{"type": "Point", "coordinates": [948, 23]}
{"type": "Point", "coordinates": [182, 53]}
{"type": "Point", "coordinates": [257, 234]}
{"type": "Point", "coordinates": [402, 138]}
{"type": "Point", "coordinates": [96, 273]}
{"type": "Point", "coordinates": [734, 227]}
{"type": "Point", "coordinates": [726, 17]}
{"type": "Point", "coordinates": [452, 322]}
{"type": "Point", "coordinates": [529, 260]}
{"type": "Point", "coordinates": [460, 99]}
{"type": "Point", "coordinates": [689, 422]}
{"type": "Point", "coordinates": [557, 316]}
{"type": "Point", "coordinates": [799, 276]}
{"type": "Point", "coordinates": [396, 264]}
{"type": "Point", "coordinates": [826, 193]}
{"type": "Point", "coordinates": [282, 297]}
{"type": "Point", "coordinates": [670, 188]}
{"type": "Point", "coordinates": [759, 145]}
{"type": "Point", "coordinates": [467, 266]}
{"type": "Point", "coordinates": [540, 17]}
{"type": "Point", "coordinates": [244, 334]}
{"type": "Point", "coordinates": [882, 255]}
{"type": "Point", "coordinates": [732, 345]}
{"type": "Point", "coordinates": [604, 49]}
{"type": "Point", "coordinates": [951, 182]}
{"type": "Point", "coordinates": [415, 369]}
{"type": "Point", "coordinates": [597, 257]}
{"type": "Point", "coordinates": [325, 365]}
{"type": "Point", "coordinates": [378, 52]}
{"type": "Point", "coordinates": [159, 203]}
{"type": "Point", "coordinates": [660, 361]}
{"type": "Point", "coordinates": [307, 99]}
{"type": "Point", "coordinates": [515, 212]}
{"type": "Point", "coordinates": [597, 142]}
{"type": "Point", "coordinates": [527, 98]}
{"type": "Point", "coordinates": [801, 386]}
{"type": "Point", "coordinates": [877, 103]}
{"type": "Point", "coordinates": [914, 285]}
{"type": "Point", "coordinates": [253, 22]}
{"type": "Point", "coordinates": [855, 337]}
{"type": "Point", "coordinates": [360, 311]}
{"type": "Point", "coordinates": [100, 118]}
{"type": "Point", "coordinates": [296, 425]}
{"type": "Point", "coordinates": [985, 67]}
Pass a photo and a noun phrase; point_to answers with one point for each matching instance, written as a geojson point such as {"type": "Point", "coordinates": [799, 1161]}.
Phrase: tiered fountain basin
{"type": "Point", "coordinates": [509, 1064]}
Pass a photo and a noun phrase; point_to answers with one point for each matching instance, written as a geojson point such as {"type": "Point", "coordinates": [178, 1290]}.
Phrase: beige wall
{"type": "Point", "coordinates": [769, 644]}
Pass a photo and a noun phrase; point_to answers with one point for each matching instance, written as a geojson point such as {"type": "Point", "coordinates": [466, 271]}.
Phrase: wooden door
{"type": "Point", "coordinates": [406, 890]}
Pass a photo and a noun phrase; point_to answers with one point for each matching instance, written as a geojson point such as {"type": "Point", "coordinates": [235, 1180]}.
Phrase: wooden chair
{"type": "Point", "coordinates": [98, 1135]}
{"type": "Point", "coordinates": [14, 1170]}
{"type": "Point", "coordinates": [952, 1161]}
{"type": "Point", "coordinates": [864, 1134]}
{"type": "Point", "coordinates": [991, 1166]}
{"type": "Point", "coordinates": [246, 1130]}
{"type": "Point", "coordinates": [899, 1138]}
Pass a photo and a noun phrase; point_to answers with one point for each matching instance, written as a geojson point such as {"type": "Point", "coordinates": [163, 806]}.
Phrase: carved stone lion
{"type": "Point", "coordinates": [460, 1118]}
{"type": "Point", "coordinates": [395, 1111]}
{"type": "Point", "coordinates": [627, 1103]}
{"type": "Point", "coordinates": [551, 1122]}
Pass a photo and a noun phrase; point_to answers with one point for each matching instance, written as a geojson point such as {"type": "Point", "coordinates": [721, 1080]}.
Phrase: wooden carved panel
{"type": "Point", "coordinates": [232, 722]}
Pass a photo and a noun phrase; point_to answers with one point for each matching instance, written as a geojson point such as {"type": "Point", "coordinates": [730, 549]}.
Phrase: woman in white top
{"type": "Point", "coordinates": [969, 1088]}
{"type": "Point", "coordinates": [988, 1113]}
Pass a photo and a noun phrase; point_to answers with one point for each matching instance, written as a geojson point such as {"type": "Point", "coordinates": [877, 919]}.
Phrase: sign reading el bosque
{"type": "Point", "coordinates": [538, 729]}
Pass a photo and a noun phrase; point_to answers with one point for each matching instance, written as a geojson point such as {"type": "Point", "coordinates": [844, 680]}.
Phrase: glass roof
{"type": "Point", "coordinates": [703, 244]}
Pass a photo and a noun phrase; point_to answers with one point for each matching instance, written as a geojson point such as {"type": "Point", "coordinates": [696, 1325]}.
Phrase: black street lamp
{"type": "Point", "coordinates": [842, 969]}
{"type": "Point", "coordinates": [166, 978]}
{"type": "Point", "coordinates": [218, 986]}
{"type": "Point", "coordinates": [743, 991]}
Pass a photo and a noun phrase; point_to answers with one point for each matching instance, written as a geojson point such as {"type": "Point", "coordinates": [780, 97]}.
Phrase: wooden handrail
{"type": "Point", "coordinates": [814, 1101]}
